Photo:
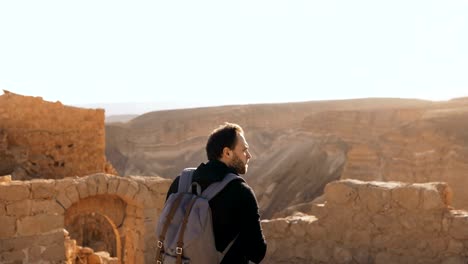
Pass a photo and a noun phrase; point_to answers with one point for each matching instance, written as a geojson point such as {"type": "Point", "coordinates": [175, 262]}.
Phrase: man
{"type": "Point", "coordinates": [234, 210]}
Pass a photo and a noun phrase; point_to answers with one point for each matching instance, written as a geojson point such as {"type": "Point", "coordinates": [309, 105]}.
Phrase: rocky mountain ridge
{"type": "Point", "coordinates": [299, 147]}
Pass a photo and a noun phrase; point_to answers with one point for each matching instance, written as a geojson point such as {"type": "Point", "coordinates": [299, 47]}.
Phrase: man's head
{"type": "Point", "coordinates": [227, 144]}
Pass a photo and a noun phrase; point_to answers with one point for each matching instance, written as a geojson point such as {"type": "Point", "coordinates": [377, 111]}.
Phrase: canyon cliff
{"type": "Point", "coordinates": [299, 147]}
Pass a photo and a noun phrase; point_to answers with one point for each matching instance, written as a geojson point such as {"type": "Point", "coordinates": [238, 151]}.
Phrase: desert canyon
{"type": "Point", "coordinates": [345, 181]}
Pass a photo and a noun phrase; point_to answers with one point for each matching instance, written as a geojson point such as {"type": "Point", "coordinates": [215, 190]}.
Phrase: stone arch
{"type": "Point", "coordinates": [136, 201]}
{"type": "Point", "coordinates": [93, 222]}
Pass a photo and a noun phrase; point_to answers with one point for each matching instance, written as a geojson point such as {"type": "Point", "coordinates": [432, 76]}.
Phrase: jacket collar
{"type": "Point", "coordinates": [212, 171]}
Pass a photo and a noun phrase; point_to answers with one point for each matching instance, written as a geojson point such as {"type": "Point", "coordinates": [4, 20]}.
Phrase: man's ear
{"type": "Point", "coordinates": [227, 152]}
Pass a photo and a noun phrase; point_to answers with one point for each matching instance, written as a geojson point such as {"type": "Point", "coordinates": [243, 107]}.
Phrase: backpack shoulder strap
{"type": "Point", "coordinates": [216, 187]}
{"type": "Point", "coordinates": [185, 180]}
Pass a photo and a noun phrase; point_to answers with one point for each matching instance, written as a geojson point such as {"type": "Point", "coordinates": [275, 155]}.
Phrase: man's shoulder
{"type": "Point", "coordinates": [240, 187]}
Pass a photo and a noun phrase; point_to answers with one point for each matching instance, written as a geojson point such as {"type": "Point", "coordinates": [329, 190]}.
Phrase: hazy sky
{"type": "Point", "coordinates": [230, 52]}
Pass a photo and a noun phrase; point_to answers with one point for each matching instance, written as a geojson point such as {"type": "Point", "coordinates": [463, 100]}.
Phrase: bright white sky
{"type": "Point", "coordinates": [233, 52]}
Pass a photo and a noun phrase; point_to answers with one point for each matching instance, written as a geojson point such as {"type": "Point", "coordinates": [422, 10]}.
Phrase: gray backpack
{"type": "Point", "coordinates": [185, 231]}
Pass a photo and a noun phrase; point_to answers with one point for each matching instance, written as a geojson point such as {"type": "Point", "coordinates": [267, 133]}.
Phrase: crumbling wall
{"type": "Point", "coordinates": [373, 222]}
{"type": "Point", "coordinates": [40, 139]}
{"type": "Point", "coordinates": [41, 219]}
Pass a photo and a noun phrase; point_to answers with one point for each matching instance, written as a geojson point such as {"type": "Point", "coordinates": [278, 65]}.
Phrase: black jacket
{"type": "Point", "coordinates": [234, 212]}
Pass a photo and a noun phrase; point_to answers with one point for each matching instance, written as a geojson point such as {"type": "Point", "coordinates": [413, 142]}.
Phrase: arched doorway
{"type": "Point", "coordinates": [94, 230]}
{"type": "Point", "coordinates": [94, 222]}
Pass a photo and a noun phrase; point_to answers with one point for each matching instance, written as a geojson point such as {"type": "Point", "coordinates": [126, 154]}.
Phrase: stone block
{"type": "Point", "coordinates": [301, 250]}
{"type": "Point", "coordinates": [362, 256]}
{"type": "Point", "coordinates": [381, 241]}
{"type": "Point", "coordinates": [289, 246]}
{"type": "Point", "coordinates": [56, 236]}
{"type": "Point", "coordinates": [72, 194]}
{"type": "Point", "coordinates": [320, 252]}
{"type": "Point", "coordinates": [455, 246]}
{"type": "Point", "coordinates": [144, 199]}
{"type": "Point", "coordinates": [63, 184]}
{"type": "Point", "coordinates": [14, 243]}
{"type": "Point", "coordinates": [20, 208]}
{"type": "Point", "coordinates": [36, 225]}
{"type": "Point", "coordinates": [149, 256]}
{"type": "Point", "coordinates": [113, 185]}
{"type": "Point", "coordinates": [123, 187]}
{"type": "Point", "coordinates": [63, 200]}
{"type": "Point", "coordinates": [375, 198]}
{"type": "Point", "coordinates": [386, 223]}
{"type": "Point", "coordinates": [50, 207]}
{"type": "Point", "coordinates": [150, 215]}
{"type": "Point", "coordinates": [35, 252]}
{"type": "Point", "coordinates": [298, 230]}
{"type": "Point", "coordinates": [361, 221]}
{"type": "Point", "coordinates": [455, 260]}
{"type": "Point", "coordinates": [139, 257]}
{"type": "Point", "coordinates": [275, 227]}
{"type": "Point", "coordinates": [14, 191]}
{"type": "Point", "coordinates": [153, 185]}
{"type": "Point", "coordinates": [16, 256]}
{"type": "Point", "coordinates": [158, 202]}
{"type": "Point", "coordinates": [5, 178]}
{"type": "Point", "coordinates": [340, 192]}
{"type": "Point", "coordinates": [342, 255]}
{"type": "Point", "coordinates": [101, 182]}
{"type": "Point", "coordinates": [272, 249]}
{"type": "Point", "coordinates": [82, 188]}
{"type": "Point", "coordinates": [445, 192]}
{"type": "Point", "coordinates": [410, 221]}
{"type": "Point", "coordinates": [43, 189]}
{"type": "Point", "coordinates": [438, 245]}
{"type": "Point", "coordinates": [7, 226]}
{"type": "Point", "coordinates": [92, 186]}
{"type": "Point", "coordinates": [3, 209]}
{"type": "Point", "coordinates": [433, 199]}
{"type": "Point", "coordinates": [316, 232]}
{"type": "Point", "coordinates": [132, 191]}
{"type": "Point", "coordinates": [407, 197]}
{"type": "Point", "coordinates": [299, 225]}
{"type": "Point", "coordinates": [386, 258]}
{"type": "Point", "coordinates": [357, 239]}
{"type": "Point", "coordinates": [150, 240]}
{"type": "Point", "coordinates": [55, 253]}
{"type": "Point", "coordinates": [432, 223]}
{"type": "Point", "coordinates": [94, 259]}
{"type": "Point", "coordinates": [158, 185]}
{"type": "Point", "coordinates": [70, 249]}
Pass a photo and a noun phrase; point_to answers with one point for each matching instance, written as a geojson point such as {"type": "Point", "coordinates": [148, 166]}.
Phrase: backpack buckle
{"type": "Point", "coordinates": [178, 250]}
{"type": "Point", "coordinates": [160, 244]}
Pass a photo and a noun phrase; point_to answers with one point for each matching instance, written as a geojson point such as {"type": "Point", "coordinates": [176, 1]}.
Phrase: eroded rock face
{"type": "Point", "coordinates": [298, 148]}
{"type": "Point", "coordinates": [432, 148]}
{"type": "Point", "coordinates": [373, 222]}
{"type": "Point", "coordinates": [40, 139]}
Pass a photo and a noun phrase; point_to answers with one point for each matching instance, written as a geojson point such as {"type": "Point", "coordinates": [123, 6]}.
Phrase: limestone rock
{"type": "Point", "coordinates": [40, 139]}
{"type": "Point", "coordinates": [6, 178]}
{"type": "Point", "coordinates": [395, 231]}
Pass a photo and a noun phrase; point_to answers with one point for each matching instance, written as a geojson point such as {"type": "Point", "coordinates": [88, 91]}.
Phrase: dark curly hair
{"type": "Point", "coordinates": [223, 136]}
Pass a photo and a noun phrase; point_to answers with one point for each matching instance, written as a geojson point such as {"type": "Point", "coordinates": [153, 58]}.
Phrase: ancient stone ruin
{"type": "Point", "coordinates": [373, 222]}
{"type": "Point", "coordinates": [94, 219]}
{"type": "Point", "coordinates": [57, 203]}
{"type": "Point", "coordinates": [61, 202]}
{"type": "Point", "coordinates": [44, 140]}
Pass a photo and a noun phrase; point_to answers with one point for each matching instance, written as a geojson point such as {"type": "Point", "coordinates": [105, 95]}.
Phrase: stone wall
{"type": "Point", "coordinates": [40, 139]}
{"type": "Point", "coordinates": [373, 222]}
{"type": "Point", "coordinates": [41, 220]}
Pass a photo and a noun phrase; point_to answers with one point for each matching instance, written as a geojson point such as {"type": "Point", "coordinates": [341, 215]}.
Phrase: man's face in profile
{"type": "Point", "coordinates": [241, 155]}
